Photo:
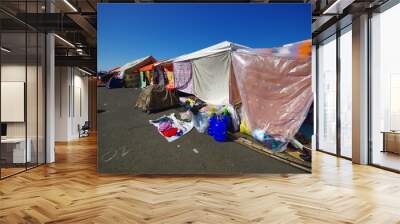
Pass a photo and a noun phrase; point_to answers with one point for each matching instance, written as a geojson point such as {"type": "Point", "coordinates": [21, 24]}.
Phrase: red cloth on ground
{"type": "Point", "coordinates": [170, 132]}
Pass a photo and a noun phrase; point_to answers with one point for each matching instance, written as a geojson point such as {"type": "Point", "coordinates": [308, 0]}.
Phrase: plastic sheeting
{"type": "Point", "coordinates": [211, 78]}
{"type": "Point", "coordinates": [183, 77]}
{"type": "Point", "coordinates": [275, 89]}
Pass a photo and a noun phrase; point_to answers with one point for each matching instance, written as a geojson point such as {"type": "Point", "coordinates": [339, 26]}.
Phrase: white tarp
{"type": "Point", "coordinates": [211, 78]}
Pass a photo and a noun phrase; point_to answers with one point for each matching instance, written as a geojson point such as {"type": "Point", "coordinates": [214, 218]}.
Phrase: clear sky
{"type": "Point", "coordinates": [130, 31]}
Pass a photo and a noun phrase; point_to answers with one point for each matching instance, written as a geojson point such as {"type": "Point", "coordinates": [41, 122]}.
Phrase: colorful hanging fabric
{"type": "Point", "coordinates": [183, 77]}
{"type": "Point", "coordinates": [142, 80]}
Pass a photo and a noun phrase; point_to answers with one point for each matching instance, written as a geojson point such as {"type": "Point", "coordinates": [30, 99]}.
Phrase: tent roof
{"type": "Point", "coordinates": [163, 62]}
{"type": "Point", "coordinates": [147, 67]}
{"type": "Point", "coordinates": [214, 49]}
{"type": "Point", "coordinates": [300, 49]}
{"type": "Point", "coordinates": [113, 69]}
{"type": "Point", "coordinates": [136, 63]}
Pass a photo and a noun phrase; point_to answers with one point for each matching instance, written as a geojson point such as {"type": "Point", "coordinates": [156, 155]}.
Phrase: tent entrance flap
{"type": "Point", "coordinates": [211, 78]}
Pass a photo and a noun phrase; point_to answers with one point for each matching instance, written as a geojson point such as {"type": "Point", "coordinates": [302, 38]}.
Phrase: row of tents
{"type": "Point", "coordinates": [272, 85]}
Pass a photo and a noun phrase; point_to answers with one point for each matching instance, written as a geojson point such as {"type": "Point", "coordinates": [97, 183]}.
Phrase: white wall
{"type": "Point", "coordinates": [14, 72]}
{"type": "Point", "coordinates": [81, 83]}
{"type": "Point", "coordinates": [62, 81]}
{"type": "Point", "coordinates": [33, 127]}
{"type": "Point", "coordinates": [17, 72]}
{"type": "Point", "coordinates": [70, 83]}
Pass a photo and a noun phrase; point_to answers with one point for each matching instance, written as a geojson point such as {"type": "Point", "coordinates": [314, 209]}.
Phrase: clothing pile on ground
{"type": "Point", "coordinates": [171, 128]}
{"type": "Point", "coordinates": [264, 92]}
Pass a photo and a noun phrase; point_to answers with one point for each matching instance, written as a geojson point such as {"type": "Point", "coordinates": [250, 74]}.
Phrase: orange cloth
{"type": "Point", "coordinates": [147, 68]}
{"type": "Point", "coordinates": [305, 49]}
{"type": "Point", "coordinates": [168, 67]}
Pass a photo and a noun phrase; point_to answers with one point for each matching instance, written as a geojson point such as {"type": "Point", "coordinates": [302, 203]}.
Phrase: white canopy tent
{"type": "Point", "coordinates": [211, 69]}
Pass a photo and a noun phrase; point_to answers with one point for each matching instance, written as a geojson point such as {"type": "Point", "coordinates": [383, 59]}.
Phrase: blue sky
{"type": "Point", "coordinates": [126, 32]}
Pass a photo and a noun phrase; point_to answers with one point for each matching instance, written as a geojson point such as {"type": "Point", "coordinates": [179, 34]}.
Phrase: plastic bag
{"type": "Point", "coordinates": [244, 127]}
{"type": "Point", "coordinates": [220, 129]}
{"type": "Point", "coordinates": [187, 115]}
{"type": "Point", "coordinates": [200, 121]}
{"type": "Point", "coordinates": [275, 143]}
{"type": "Point", "coordinates": [235, 118]}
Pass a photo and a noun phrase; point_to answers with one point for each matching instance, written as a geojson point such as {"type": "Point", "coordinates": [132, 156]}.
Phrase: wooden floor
{"type": "Point", "coordinates": [386, 159]}
{"type": "Point", "coordinates": [70, 191]}
{"type": "Point", "coordinates": [5, 172]}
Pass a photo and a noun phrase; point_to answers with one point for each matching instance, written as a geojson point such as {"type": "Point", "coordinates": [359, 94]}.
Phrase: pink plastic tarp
{"type": "Point", "coordinates": [275, 88]}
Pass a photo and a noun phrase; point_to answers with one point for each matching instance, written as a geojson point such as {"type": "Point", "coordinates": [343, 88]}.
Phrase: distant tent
{"type": "Point", "coordinates": [115, 82]}
{"type": "Point", "coordinates": [130, 71]}
{"type": "Point", "coordinates": [106, 76]}
{"type": "Point", "coordinates": [147, 73]}
{"type": "Point", "coordinates": [114, 71]}
{"type": "Point", "coordinates": [102, 78]}
{"type": "Point", "coordinates": [134, 66]}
